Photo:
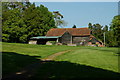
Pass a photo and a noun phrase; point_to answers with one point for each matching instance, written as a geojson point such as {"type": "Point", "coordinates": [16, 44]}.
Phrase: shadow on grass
{"type": "Point", "coordinates": [64, 70]}
{"type": "Point", "coordinates": [14, 62]}
{"type": "Point", "coordinates": [45, 70]}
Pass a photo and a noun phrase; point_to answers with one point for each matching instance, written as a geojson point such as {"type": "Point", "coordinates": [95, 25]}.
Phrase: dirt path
{"type": "Point", "coordinates": [52, 57]}
{"type": "Point", "coordinates": [30, 70]}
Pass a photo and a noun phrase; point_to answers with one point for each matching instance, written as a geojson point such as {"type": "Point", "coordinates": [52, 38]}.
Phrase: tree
{"type": "Point", "coordinates": [24, 20]}
{"type": "Point", "coordinates": [96, 30]}
{"type": "Point", "coordinates": [58, 19]}
{"type": "Point", "coordinates": [110, 38]}
{"type": "Point", "coordinates": [74, 26]}
{"type": "Point", "coordinates": [115, 26]}
{"type": "Point", "coordinates": [11, 22]}
{"type": "Point", "coordinates": [105, 29]}
{"type": "Point", "coordinates": [90, 26]}
{"type": "Point", "coordinates": [111, 34]}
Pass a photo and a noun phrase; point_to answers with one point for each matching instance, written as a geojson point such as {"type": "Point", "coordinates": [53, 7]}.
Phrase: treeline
{"type": "Point", "coordinates": [111, 33]}
{"type": "Point", "coordinates": [22, 20]}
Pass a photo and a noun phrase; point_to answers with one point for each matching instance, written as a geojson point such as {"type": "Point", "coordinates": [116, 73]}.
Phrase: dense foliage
{"type": "Point", "coordinates": [115, 26]}
{"type": "Point", "coordinates": [21, 21]}
{"type": "Point", "coordinates": [111, 33]}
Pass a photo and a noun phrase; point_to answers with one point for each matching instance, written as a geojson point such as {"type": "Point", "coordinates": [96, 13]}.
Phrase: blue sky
{"type": "Point", "coordinates": [81, 13]}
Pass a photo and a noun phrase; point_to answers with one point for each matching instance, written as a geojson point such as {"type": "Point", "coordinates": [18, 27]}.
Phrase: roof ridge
{"type": "Point", "coordinates": [72, 31]}
{"type": "Point", "coordinates": [71, 28]}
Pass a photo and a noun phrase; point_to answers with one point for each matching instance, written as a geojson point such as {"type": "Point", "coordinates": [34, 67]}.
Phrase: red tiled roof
{"type": "Point", "coordinates": [72, 31]}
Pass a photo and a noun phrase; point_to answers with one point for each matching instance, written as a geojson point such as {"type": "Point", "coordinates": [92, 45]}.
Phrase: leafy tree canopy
{"type": "Point", "coordinates": [111, 32]}
{"type": "Point", "coordinates": [115, 26]}
{"type": "Point", "coordinates": [22, 20]}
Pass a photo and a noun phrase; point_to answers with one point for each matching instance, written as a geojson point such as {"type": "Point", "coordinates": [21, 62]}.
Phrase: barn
{"type": "Point", "coordinates": [68, 36]}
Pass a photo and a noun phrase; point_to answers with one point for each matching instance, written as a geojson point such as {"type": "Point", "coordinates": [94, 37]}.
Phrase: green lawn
{"type": "Point", "coordinates": [16, 56]}
{"type": "Point", "coordinates": [104, 58]}
{"type": "Point", "coordinates": [82, 62]}
{"type": "Point", "coordinates": [41, 51]}
{"type": "Point", "coordinates": [85, 62]}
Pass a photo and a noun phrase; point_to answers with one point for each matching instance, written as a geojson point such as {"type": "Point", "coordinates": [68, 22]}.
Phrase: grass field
{"type": "Point", "coordinates": [82, 62]}
{"type": "Point", "coordinates": [41, 51]}
{"type": "Point", "coordinates": [85, 62]}
{"type": "Point", "coordinates": [104, 58]}
{"type": "Point", "coordinates": [16, 56]}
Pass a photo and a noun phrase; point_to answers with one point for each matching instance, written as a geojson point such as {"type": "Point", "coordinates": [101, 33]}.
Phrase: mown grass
{"type": "Point", "coordinates": [41, 51]}
{"type": "Point", "coordinates": [82, 62]}
{"type": "Point", "coordinates": [99, 57]}
{"type": "Point", "coordinates": [15, 56]}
